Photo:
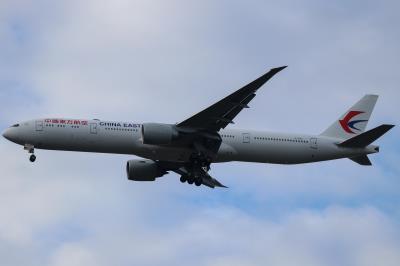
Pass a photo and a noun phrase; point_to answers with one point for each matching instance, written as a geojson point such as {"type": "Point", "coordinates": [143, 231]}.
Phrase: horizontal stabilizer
{"type": "Point", "coordinates": [363, 160]}
{"type": "Point", "coordinates": [366, 138]}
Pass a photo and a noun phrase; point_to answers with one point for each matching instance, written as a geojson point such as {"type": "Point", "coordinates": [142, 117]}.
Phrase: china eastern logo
{"type": "Point", "coordinates": [348, 125]}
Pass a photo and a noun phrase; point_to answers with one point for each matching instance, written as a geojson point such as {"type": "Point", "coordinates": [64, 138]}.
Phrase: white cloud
{"type": "Point", "coordinates": [115, 221]}
{"type": "Point", "coordinates": [73, 254]}
{"type": "Point", "coordinates": [223, 236]}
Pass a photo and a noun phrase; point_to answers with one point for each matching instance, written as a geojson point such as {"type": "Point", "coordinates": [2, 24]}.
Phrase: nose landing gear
{"type": "Point", "coordinates": [31, 150]}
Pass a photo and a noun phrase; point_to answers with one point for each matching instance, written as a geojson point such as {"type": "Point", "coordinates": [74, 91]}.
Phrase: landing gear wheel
{"type": "Point", "coordinates": [197, 183]}
{"type": "Point", "coordinates": [183, 179]}
{"type": "Point", "coordinates": [32, 158]}
{"type": "Point", "coordinates": [190, 181]}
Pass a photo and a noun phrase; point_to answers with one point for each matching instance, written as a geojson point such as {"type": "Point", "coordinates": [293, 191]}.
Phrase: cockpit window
{"type": "Point", "coordinates": [16, 125]}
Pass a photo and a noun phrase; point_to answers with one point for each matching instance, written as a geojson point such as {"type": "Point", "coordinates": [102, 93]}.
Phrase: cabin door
{"type": "Point", "coordinates": [246, 137]}
{"type": "Point", "coordinates": [93, 128]}
{"type": "Point", "coordinates": [313, 143]}
{"type": "Point", "coordinates": [39, 125]}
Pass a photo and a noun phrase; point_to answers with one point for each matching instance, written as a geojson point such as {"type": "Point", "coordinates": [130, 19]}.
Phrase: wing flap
{"type": "Point", "coordinates": [211, 182]}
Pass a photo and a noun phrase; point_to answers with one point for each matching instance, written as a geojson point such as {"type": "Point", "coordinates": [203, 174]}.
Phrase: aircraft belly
{"type": "Point", "coordinates": [275, 153]}
{"type": "Point", "coordinates": [163, 153]}
{"type": "Point", "coordinates": [225, 153]}
{"type": "Point", "coordinates": [289, 152]}
{"type": "Point", "coordinates": [105, 142]}
{"type": "Point", "coordinates": [70, 140]}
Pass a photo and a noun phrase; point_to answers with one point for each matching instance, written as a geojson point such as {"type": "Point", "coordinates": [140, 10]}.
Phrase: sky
{"type": "Point", "coordinates": [163, 61]}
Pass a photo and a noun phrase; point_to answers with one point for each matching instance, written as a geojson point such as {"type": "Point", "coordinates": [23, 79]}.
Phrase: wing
{"type": "Point", "coordinates": [222, 113]}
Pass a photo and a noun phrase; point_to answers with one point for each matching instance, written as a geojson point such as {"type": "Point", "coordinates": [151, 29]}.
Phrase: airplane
{"type": "Point", "coordinates": [189, 148]}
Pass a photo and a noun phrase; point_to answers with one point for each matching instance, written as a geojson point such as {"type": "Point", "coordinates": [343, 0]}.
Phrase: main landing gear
{"type": "Point", "coordinates": [191, 180]}
{"type": "Point", "coordinates": [31, 150]}
{"type": "Point", "coordinates": [199, 164]}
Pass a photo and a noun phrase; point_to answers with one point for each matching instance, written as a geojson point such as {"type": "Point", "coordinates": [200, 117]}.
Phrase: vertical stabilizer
{"type": "Point", "coordinates": [354, 121]}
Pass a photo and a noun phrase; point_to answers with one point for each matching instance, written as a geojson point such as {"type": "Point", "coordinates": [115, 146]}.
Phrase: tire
{"type": "Point", "coordinates": [32, 158]}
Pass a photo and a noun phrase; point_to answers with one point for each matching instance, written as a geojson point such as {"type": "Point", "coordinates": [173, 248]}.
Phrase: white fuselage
{"type": "Point", "coordinates": [126, 138]}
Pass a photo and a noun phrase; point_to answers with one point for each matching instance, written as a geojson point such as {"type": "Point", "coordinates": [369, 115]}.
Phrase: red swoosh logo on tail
{"type": "Point", "coordinates": [345, 121]}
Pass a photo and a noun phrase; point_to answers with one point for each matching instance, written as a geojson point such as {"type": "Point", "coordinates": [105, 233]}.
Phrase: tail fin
{"type": "Point", "coordinates": [354, 121]}
{"type": "Point", "coordinates": [366, 138]}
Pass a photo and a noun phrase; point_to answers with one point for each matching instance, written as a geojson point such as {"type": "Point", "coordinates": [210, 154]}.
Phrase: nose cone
{"type": "Point", "coordinates": [9, 134]}
{"type": "Point", "coordinates": [5, 133]}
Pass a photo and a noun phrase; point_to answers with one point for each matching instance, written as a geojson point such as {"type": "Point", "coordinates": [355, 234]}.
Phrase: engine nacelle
{"type": "Point", "coordinates": [143, 170]}
{"type": "Point", "coordinates": [158, 134]}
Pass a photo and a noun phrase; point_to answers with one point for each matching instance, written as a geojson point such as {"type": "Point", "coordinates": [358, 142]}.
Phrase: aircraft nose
{"type": "Point", "coordinates": [7, 134]}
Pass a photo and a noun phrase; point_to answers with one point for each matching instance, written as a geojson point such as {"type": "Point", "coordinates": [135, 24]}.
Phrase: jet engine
{"type": "Point", "coordinates": [158, 134]}
{"type": "Point", "coordinates": [143, 170]}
